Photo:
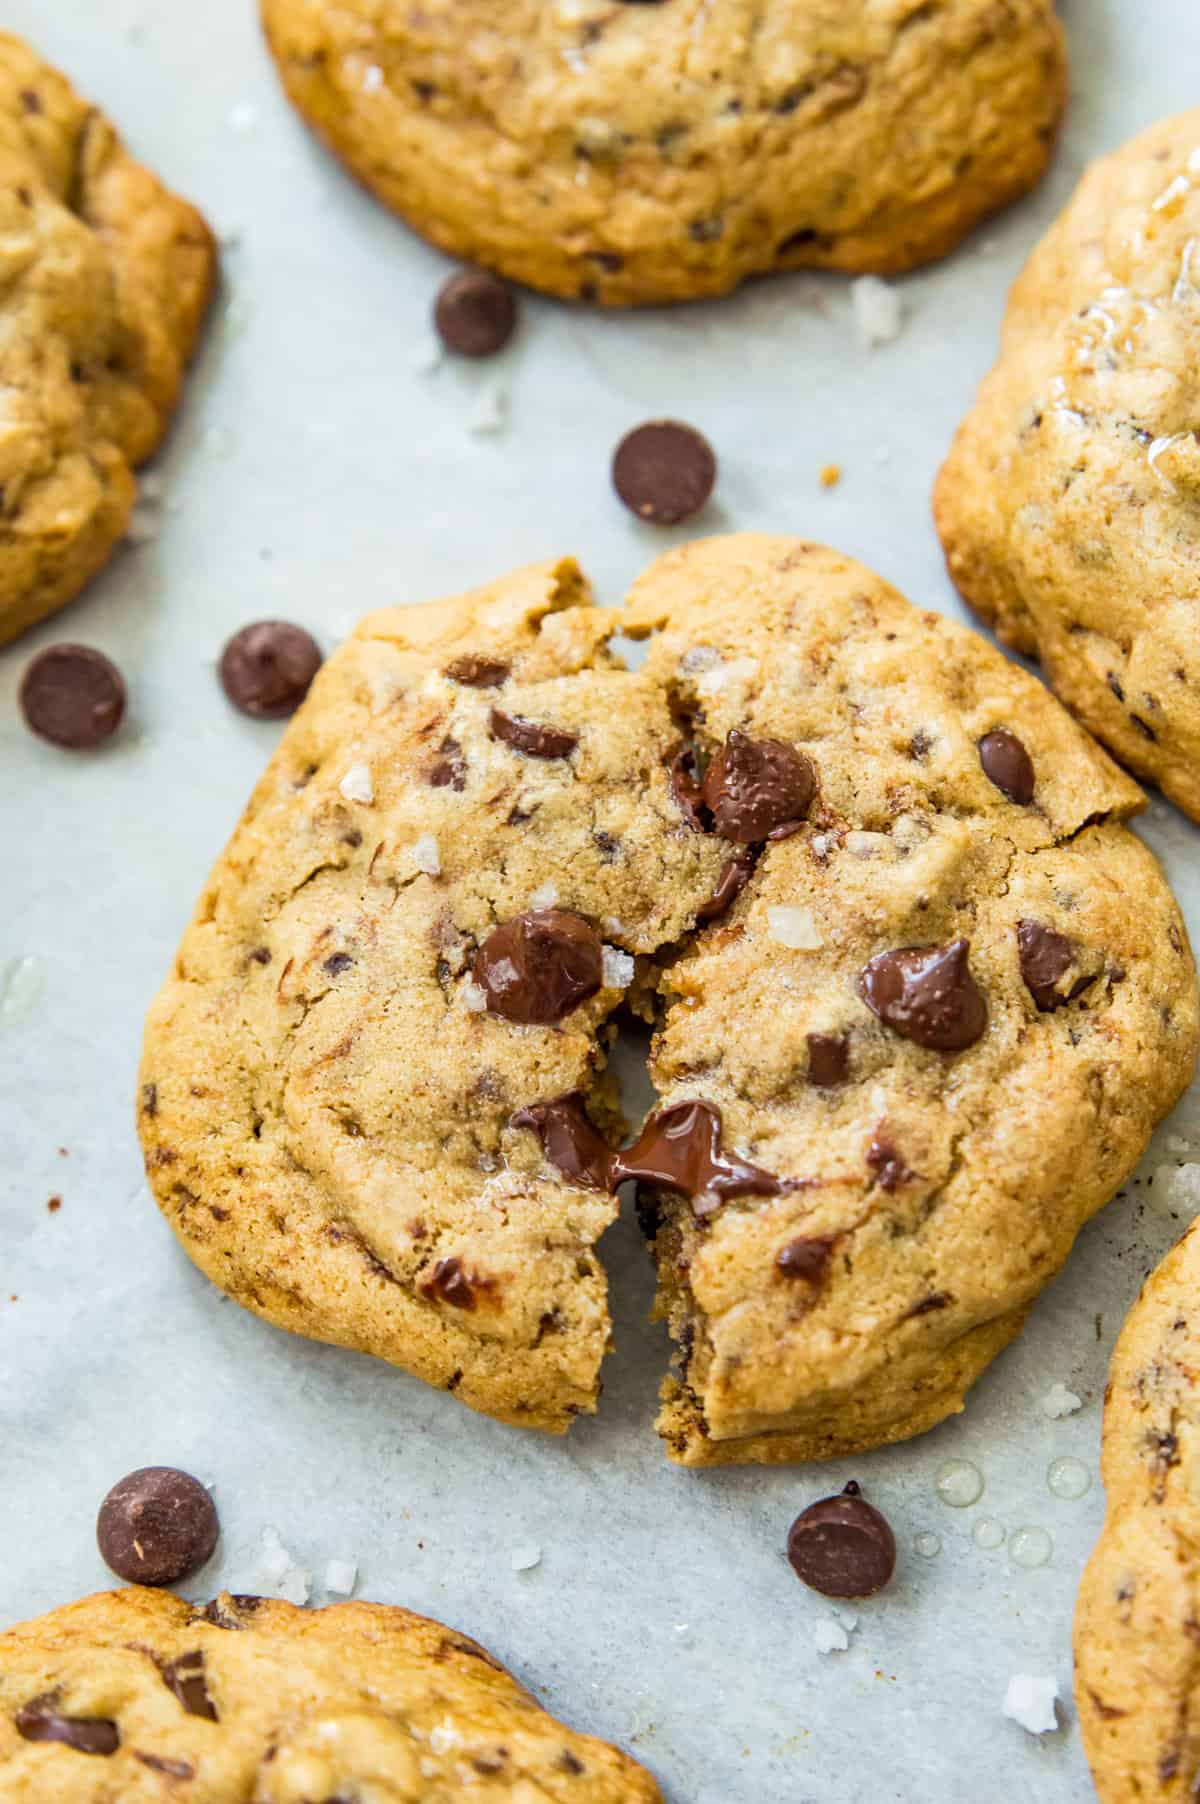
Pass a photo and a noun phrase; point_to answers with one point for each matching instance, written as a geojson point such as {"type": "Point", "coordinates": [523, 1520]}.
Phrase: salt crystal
{"type": "Point", "coordinates": [425, 855]}
{"type": "Point", "coordinates": [865, 845]}
{"type": "Point", "coordinates": [794, 927]}
{"type": "Point", "coordinates": [443, 1738]}
{"type": "Point", "coordinates": [341, 1576]}
{"type": "Point", "coordinates": [474, 998]}
{"type": "Point", "coordinates": [1175, 1188]}
{"type": "Point", "coordinates": [1030, 1701]}
{"type": "Point", "coordinates": [282, 1575]}
{"type": "Point", "coordinates": [544, 897]}
{"type": "Point", "coordinates": [829, 1637]}
{"type": "Point", "coordinates": [524, 1559]}
{"type": "Point", "coordinates": [295, 1587]}
{"type": "Point", "coordinates": [617, 968]}
{"type": "Point", "coordinates": [356, 785]}
{"type": "Point", "coordinates": [275, 1557]}
{"type": "Point", "coordinates": [697, 658]}
{"type": "Point", "coordinates": [878, 311]}
{"type": "Point", "coordinates": [1059, 1402]}
{"type": "Point", "coordinates": [491, 409]}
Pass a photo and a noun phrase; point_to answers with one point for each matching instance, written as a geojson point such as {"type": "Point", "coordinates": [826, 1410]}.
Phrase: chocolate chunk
{"type": "Point", "coordinates": [828, 1059]}
{"type": "Point", "coordinates": [475, 313]}
{"type": "Point", "coordinates": [757, 787]}
{"type": "Point", "coordinates": [664, 471]}
{"type": "Point", "coordinates": [688, 789]}
{"type": "Point", "coordinates": [735, 875]}
{"type": "Point", "coordinates": [539, 966]}
{"type": "Point", "coordinates": [40, 1720]}
{"type": "Point", "coordinates": [804, 1258]}
{"type": "Point", "coordinates": [842, 1546]}
{"type": "Point", "coordinates": [532, 738]}
{"type": "Point", "coordinates": [477, 673]}
{"type": "Point", "coordinates": [926, 993]}
{"type": "Point", "coordinates": [449, 1282]}
{"type": "Point", "coordinates": [570, 1140]}
{"type": "Point", "coordinates": [73, 696]}
{"type": "Point", "coordinates": [450, 769]}
{"type": "Point", "coordinates": [266, 669]}
{"type": "Point", "coordinates": [885, 1161]}
{"type": "Point", "coordinates": [1046, 957]}
{"type": "Point", "coordinates": [156, 1525]}
{"type": "Point", "coordinates": [679, 1148]}
{"type": "Point", "coordinates": [1007, 764]}
{"type": "Point", "coordinates": [336, 963]}
{"type": "Point", "coordinates": [174, 1769]}
{"type": "Point", "coordinates": [185, 1677]}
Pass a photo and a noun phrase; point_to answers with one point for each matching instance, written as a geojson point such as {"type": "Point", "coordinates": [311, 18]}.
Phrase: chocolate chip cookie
{"type": "Point", "coordinates": [1137, 1682]}
{"type": "Point", "coordinates": [107, 277]}
{"type": "Point", "coordinates": [136, 1694]}
{"type": "Point", "coordinates": [1069, 506]}
{"type": "Point", "coordinates": [870, 882]}
{"type": "Point", "coordinates": [640, 153]}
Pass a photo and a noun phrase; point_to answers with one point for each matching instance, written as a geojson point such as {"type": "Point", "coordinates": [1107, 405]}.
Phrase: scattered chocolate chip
{"type": "Point", "coordinates": [450, 769]}
{"type": "Point", "coordinates": [842, 1546]}
{"type": "Point", "coordinates": [570, 1140]}
{"type": "Point", "coordinates": [539, 966]}
{"type": "Point", "coordinates": [927, 994]}
{"type": "Point", "coordinates": [920, 745]}
{"type": "Point", "coordinates": [156, 1525]}
{"type": "Point", "coordinates": [31, 100]}
{"type": "Point", "coordinates": [174, 1769]}
{"type": "Point", "coordinates": [266, 669]}
{"type": "Point", "coordinates": [885, 1161]}
{"type": "Point", "coordinates": [828, 1059]}
{"type": "Point", "coordinates": [531, 737]}
{"type": "Point", "coordinates": [804, 1258]}
{"type": "Point", "coordinates": [39, 1720]}
{"type": "Point", "coordinates": [1008, 765]}
{"type": "Point", "coordinates": [185, 1677]}
{"type": "Point", "coordinates": [756, 788]}
{"type": "Point", "coordinates": [1046, 957]}
{"type": "Point", "coordinates": [687, 788]}
{"type": "Point", "coordinates": [735, 875]}
{"type": "Point", "coordinates": [679, 1148]}
{"type": "Point", "coordinates": [664, 471]}
{"type": "Point", "coordinates": [478, 673]}
{"type": "Point", "coordinates": [938, 1299]}
{"type": "Point", "coordinates": [475, 313]}
{"type": "Point", "coordinates": [336, 963]}
{"type": "Point", "coordinates": [450, 1282]}
{"type": "Point", "coordinates": [73, 696]}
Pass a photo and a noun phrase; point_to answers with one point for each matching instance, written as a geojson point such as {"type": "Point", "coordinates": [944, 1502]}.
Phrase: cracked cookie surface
{"type": "Point", "coordinates": [1137, 1663]}
{"type": "Point", "coordinates": [107, 277]}
{"type": "Point", "coordinates": [643, 153]}
{"type": "Point", "coordinates": [141, 1696]}
{"type": "Point", "coordinates": [1069, 506]}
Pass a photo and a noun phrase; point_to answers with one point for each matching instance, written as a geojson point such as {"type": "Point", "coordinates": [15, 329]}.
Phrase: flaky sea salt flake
{"type": "Point", "coordinates": [524, 1559]}
{"type": "Point", "coordinates": [794, 927]}
{"type": "Point", "coordinates": [878, 310]}
{"type": "Point", "coordinates": [357, 786]}
{"type": "Point", "coordinates": [1059, 1402]}
{"type": "Point", "coordinates": [341, 1576]}
{"type": "Point", "coordinates": [1030, 1701]}
{"type": "Point", "coordinates": [425, 855]}
{"type": "Point", "coordinates": [617, 968]}
{"type": "Point", "coordinates": [829, 1637]}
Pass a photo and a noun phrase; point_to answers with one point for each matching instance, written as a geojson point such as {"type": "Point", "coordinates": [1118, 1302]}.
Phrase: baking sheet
{"type": "Point", "coordinates": [316, 472]}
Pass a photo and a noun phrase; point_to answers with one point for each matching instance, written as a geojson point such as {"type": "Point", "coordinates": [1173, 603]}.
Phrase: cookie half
{"type": "Point", "coordinates": [137, 1694]}
{"type": "Point", "coordinates": [1069, 506]}
{"type": "Point", "coordinates": [108, 275]}
{"type": "Point", "coordinates": [641, 153]}
{"type": "Point", "coordinates": [1137, 1681]}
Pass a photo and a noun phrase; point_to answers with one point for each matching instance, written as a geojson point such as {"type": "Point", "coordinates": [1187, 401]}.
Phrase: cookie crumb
{"type": "Point", "coordinates": [341, 1576]}
{"type": "Point", "coordinates": [54, 1205]}
{"type": "Point", "coordinates": [1059, 1402]}
{"type": "Point", "coordinates": [1031, 1701]}
{"type": "Point", "coordinates": [831, 475]}
{"type": "Point", "coordinates": [878, 311]}
{"type": "Point", "coordinates": [356, 785]}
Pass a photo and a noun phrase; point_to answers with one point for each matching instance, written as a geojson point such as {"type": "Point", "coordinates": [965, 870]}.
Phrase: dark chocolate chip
{"type": "Point", "coordinates": [679, 1148]}
{"type": "Point", "coordinates": [531, 737]}
{"type": "Point", "coordinates": [1046, 957]}
{"type": "Point", "coordinates": [450, 1282]}
{"type": "Point", "coordinates": [450, 769]}
{"type": "Point", "coordinates": [31, 100]}
{"type": "Point", "coordinates": [883, 1158]}
{"type": "Point", "coordinates": [927, 994]}
{"type": "Point", "coordinates": [475, 313]}
{"type": "Point", "coordinates": [73, 696]}
{"type": "Point", "coordinates": [804, 1258]}
{"type": "Point", "coordinates": [336, 963]}
{"type": "Point", "coordinates": [842, 1546]}
{"type": "Point", "coordinates": [1008, 765]}
{"type": "Point", "coordinates": [570, 1140]}
{"type": "Point", "coordinates": [828, 1059]}
{"type": "Point", "coordinates": [174, 1769]}
{"type": "Point", "coordinates": [40, 1720]}
{"type": "Point", "coordinates": [664, 471]}
{"type": "Point", "coordinates": [156, 1525]}
{"type": "Point", "coordinates": [478, 673]}
{"type": "Point", "coordinates": [185, 1677]}
{"type": "Point", "coordinates": [735, 875]}
{"type": "Point", "coordinates": [539, 966]}
{"type": "Point", "coordinates": [756, 788]}
{"type": "Point", "coordinates": [266, 669]}
{"type": "Point", "coordinates": [687, 788]}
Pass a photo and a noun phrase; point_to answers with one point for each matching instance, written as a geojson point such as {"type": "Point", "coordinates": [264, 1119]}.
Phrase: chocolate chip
{"type": "Point", "coordinates": [883, 1158]}
{"type": "Point", "coordinates": [570, 1140]}
{"type": "Point", "coordinates": [174, 1769]}
{"type": "Point", "coordinates": [478, 673]}
{"type": "Point", "coordinates": [531, 737]}
{"type": "Point", "coordinates": [31, 100]}
{"type": "Point", "coordinates": [475, 313]}
{"type": "Point", "coordinates": [450, 769]}
{"type": "Point", "coordinates": [927, 994]}
{"type": "Point", "coordinates": [73, 696]}
{"type": "Point", "coordinates": [450, 1282]}
{"type": "Point", "coordinates": [1046, 957]}
{"type": "Point", "coordinates": [539, 966]}
{"type": "Point", "coordinates": [842, 1546]}
{"type": "Point", "coordinates": [266, 669]}
{"type": "Point", "coordinates": [679, 1148]}
{"type": "Point", "coordinates": [185, 1677]}
{"type": "Point", "coordinates": [1008, 765]}
{"type": "Point", "coordinates": [664, 471]}
{"type": "Point", "coordinates": [687, 788]}
{"type": "Point", "coordinates": [828, 1059]}
{"type": "Point", "coordinates": [757, 787]}
{"type": "Point", "coordinates": [156, 1525]}
{"type": "Point", "coordinates": [804, 1258]}
{"type": "Point", "coordinates": [39, 1720]}
{"type": "Point", "coordinates": [735, 875]}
